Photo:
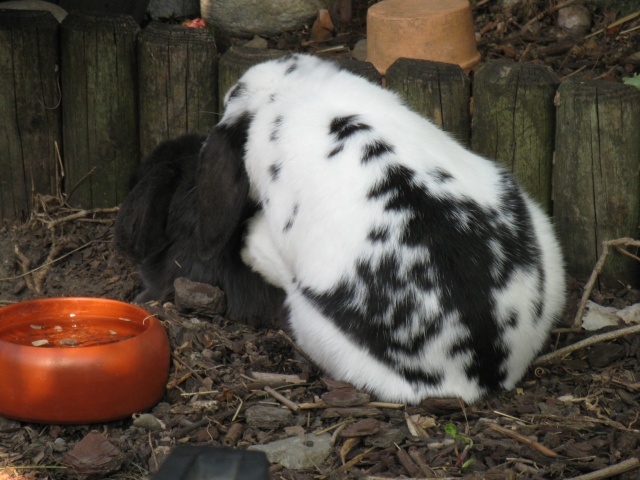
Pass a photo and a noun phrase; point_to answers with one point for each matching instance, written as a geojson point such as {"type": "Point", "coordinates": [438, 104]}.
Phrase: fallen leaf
{"type": "Point", "coordinates": [322, 29]}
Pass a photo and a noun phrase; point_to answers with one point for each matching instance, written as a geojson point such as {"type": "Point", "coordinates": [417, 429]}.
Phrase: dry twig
{"type": "Point", "coordinates": [294, 407]}
{"type": "Point", "coordinates": [613, 470]}
{"type": "Point", "coordinates": [522, 439]}
{"type": "Point", "coordinates": [587, 342]}
{"type": "Point", "coordinates": [618, 243]}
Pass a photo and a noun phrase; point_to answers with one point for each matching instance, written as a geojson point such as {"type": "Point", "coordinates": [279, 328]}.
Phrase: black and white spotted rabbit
{"type": "Point", "coordinates": [412, 267]}
{"type": "Point", "coordinates": [159, 223]}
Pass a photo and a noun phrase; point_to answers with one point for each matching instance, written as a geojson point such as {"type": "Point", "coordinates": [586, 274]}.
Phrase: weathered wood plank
{"type": "Point", "coordinates": [514, 122]}
{"type": "Point", "coordinates": [597, 175]}
{"type": "Point", "coordinates": [438, 91]}
{"type": "Point", "coordinates": [100, 103]}
{"type": "Point", "coordinates": [178, 78]}
{"type": "Point", "coordinates": [30, 110]}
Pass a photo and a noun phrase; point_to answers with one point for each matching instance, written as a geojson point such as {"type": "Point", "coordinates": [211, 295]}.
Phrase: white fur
{"type": "Point", "coordinates": [318, 215]}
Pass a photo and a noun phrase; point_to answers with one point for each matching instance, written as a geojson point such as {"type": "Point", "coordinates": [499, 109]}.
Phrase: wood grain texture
{"type": "Point", "coordinates": [514, 122]}
{"type": "Point", "coordinates": [30, 113]}
{"type": "Point", "coordinates": [438, 91]}
{"type": "Point", "coordinates": [178, 78]}
{"type": "Point", "coordinates": [597, 175]}
{"type": "Point", "coordinates": [100, 104]}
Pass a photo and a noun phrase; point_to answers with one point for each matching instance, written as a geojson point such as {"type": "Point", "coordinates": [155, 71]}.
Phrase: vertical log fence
{"type": "Point", "coordinates": [30, 113]}
{"type": "Point", "coordinates": [99, 104]}
{"type": "Point", "coordinates": [178, 83]}
{"type": "Point", "coordinates": [119, 91]}
{"type": "Point", "coordinates": [514, 122]}
{"type": "Point", "coordinates": [597, 174]}
{"type": "Point", "coordinates": [437, 91]}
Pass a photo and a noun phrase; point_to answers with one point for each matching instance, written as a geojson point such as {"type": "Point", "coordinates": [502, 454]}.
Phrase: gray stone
{"type": "Point", "coordinates": [247, 18]}
{"type": "Point", "coordinates": [299, 453]}
{"type": "Point", "coordinates": [58, 12]}
{"type": "Point", "coordinates": [257, 42]}
{"type": "Point", "coordinates": [173, 8]}
{"type": "Point", "coordinates": [575, 19]}
{"type": "Point", "coordinates": [359, 51]}
{"type": "Point", "coordinates": [198, 297]}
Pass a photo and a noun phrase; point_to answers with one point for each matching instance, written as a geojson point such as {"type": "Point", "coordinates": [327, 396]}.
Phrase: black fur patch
{"type": "Point", "coordinates": [375, 149]}
{"type": "Point", "coordinates": [292, 68]}
{"type": "Point", "coordinates": [440, 175]}
{"type": "Point", "coordinates": [336, 151]}
{"type": "Point", "coordinates": [275, 133]}
{"type": "Point", "coordinates": [460, 264]}
{"type": "Point", "coordinates": [379, 234]}
{"type": "Point", "coordinates": [344, 127]}
{"type": "Point", "coordinates": [292, 218]}
{"type": "Point", "coordinates": [238, 90]}
{"type": "Point", "coordinates": [274, 171]}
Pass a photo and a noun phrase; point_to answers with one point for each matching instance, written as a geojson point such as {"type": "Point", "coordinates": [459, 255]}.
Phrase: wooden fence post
{"type": "Point", "coordinates": [178, 83]}
{"type": "Point", "coordinates": [100, 107]}
{"type": "Point", "coordinates": [29, 110]}
{"type": "Point", "coordinates": [364, 69]}
{"type": "Point", "coordinates": [514, 122]}
{"type": "Point", "coordinates": [596, 175]}
{"type": "Point", "coordinates": [237, 60]}
{"type": "Point", "coordinates": [438, 91]}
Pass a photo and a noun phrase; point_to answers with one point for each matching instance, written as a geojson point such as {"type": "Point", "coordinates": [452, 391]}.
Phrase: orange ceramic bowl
{"type": "Point", "coordinates": [80, 360]}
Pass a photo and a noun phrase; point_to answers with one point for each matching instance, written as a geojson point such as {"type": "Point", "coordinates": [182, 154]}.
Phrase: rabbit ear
{"type": "Point", "coordinates": [222, 186]}
{"type": "Point", "coordinates": [141, 225]}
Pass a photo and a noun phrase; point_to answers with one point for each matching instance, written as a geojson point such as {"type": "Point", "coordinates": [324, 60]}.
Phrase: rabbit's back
{"type": "Point", "coordinates": [413, 267]}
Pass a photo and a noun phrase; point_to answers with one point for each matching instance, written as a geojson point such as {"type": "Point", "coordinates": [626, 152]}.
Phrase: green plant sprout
{"type": "Point", "coordinates": [633, 81]}
{"type": "Point", "coordinates": [461, 462]}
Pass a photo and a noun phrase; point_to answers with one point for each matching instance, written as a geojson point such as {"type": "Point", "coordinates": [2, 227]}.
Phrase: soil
{"type": "Point", "coordinates": [567, 417]}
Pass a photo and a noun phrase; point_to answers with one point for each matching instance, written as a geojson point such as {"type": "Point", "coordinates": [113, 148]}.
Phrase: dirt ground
{"type": "Point", "coordinates": [567, 418]}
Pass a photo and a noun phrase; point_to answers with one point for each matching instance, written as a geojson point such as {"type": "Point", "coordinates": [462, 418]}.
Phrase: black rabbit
{"type": "Point", "coordinates": [159, 224]}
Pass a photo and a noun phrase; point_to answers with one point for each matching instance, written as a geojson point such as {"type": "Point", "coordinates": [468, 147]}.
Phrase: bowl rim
{"type": "Point", "coordinates": [147, 321]}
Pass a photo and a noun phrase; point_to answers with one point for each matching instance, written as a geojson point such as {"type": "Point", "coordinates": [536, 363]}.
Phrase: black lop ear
{"type": "Point", "coordinates": [141, 225]}
{"type": "Point", "coordinates": [222, 186]}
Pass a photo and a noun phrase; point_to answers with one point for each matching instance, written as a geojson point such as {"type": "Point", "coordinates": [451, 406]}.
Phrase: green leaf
{"type": "Point", "coordinates": [467, 464]}
{"type": "Point", "coordinates": [633, 81]}
{"type": "Point", "coordinates": [451, 430]}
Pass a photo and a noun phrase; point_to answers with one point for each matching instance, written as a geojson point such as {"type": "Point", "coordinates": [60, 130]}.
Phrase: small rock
{"type": "Point", "coordinates": [268, 417]}
{"type": "Point", "coordinates": [246, 18]}
{"type": "Point", "coordinates": [363, 428]}
{"type": "Point", "coordinates": [257, 42]}
{"type": "Point", "coordinates": [299, 453]}
{"type": "Point", "coordinates": [574, 19]}
{"type": "Point", "coordinates": [359, 51]}
{"type": "Point", "coordinates": [148, 422]}
{"type": "Point", "coordinates": [199, 297]}
{"type": "Point", "coordinates": [346, 398]}
{"type": "Point", "coordinates": [59, 445]}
